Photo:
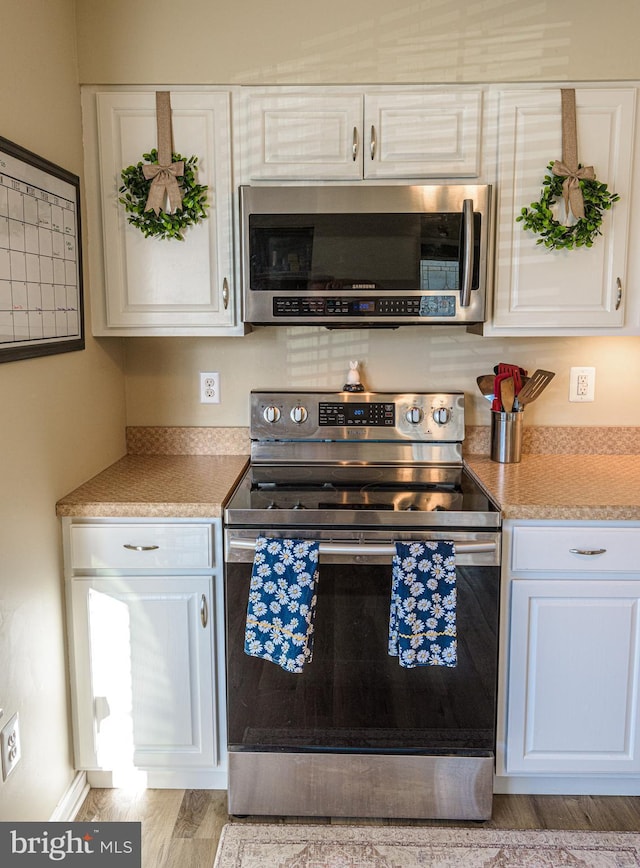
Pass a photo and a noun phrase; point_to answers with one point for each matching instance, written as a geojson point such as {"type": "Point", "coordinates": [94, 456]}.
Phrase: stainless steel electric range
{"type": "Point", "coordinates": [355, 734]}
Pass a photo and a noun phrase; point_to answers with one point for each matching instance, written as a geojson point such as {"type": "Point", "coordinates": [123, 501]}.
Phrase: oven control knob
{"type": "Point", "coordinates": [271, 414]}
{"type": "Point", "coordinates": [441, 415]}
{"type": "Point", "coordinates": [414, 415]}
{"type": "Point", "coordinates": [298, 414]}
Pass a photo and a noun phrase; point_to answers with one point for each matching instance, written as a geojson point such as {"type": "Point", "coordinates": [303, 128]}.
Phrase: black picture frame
{"type": "Point", "coordinates": [41, 283]}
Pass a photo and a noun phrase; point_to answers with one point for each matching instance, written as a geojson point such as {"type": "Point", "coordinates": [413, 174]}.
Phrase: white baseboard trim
{"type": "Point", "coordinates": [67, 808]}
{"type": "Point", "coordinates": [164, 779]}
{"type": "Point", "coordinates": [577, 785]}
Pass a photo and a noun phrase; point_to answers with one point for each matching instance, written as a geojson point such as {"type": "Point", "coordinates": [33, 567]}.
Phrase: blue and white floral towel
{"type": "Point", "coordinates": [422, 619]}
{"type": "Point", "coordinates": [282, 601]}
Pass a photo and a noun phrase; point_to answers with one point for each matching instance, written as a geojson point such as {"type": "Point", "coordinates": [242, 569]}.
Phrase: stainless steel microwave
{"type": "Point", "coordinates": [368, 256]}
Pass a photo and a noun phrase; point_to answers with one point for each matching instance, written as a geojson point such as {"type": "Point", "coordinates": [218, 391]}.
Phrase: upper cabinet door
{"type": "Point", "coordinates": [431, 133]}
{"type": "Point", "coordinates": [316, 134]}
{"type": "Point", "coordinates": [157, 286]}
{"type": "Point", "coordinates": [541, 291]}
{"type": "Point", "coordinates": [301, 135]}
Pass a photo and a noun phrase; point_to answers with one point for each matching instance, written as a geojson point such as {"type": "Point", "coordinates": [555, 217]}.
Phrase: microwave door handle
{"type": "Point", "coordinates": [468, 244]}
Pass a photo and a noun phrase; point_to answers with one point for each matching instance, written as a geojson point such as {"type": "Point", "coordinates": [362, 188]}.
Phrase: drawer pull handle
{"type": "Point", "coordinates": [140, 548]}
{"type": "Point", "coordinates": [204, 611]}
{"type": "Point", "coordinates": [587, 551]}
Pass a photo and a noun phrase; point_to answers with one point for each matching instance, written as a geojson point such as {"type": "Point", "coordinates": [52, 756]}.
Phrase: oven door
{"type": "Point", "coordinates": [353, 697]}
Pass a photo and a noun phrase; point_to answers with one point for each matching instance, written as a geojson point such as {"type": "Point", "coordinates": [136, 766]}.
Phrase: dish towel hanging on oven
{"type": "Point", "coordinates": [422, 618]}
{"type": "Point", "coordinates": [282, 602]}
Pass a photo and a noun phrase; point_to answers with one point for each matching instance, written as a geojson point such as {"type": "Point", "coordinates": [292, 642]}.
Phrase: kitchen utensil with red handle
{"type": "Point", "coordinates": [496, 406]}
{"type": "Point", "coordinates": [503, 368]}
{"type": "Point", "coordinates": [515, 371]}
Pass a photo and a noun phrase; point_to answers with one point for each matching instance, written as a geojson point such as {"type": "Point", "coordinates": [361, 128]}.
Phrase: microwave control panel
{"type": "Point", "coordinates": [382, 306]}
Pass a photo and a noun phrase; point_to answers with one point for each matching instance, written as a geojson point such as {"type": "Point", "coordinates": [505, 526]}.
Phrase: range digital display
{"type": "Point", "coordinates": [354, 413]}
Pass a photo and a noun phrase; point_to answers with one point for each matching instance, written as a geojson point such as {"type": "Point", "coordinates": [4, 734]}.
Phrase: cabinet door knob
{"type": "Point", "coordinates": [587, 551]}
{"type": "Point", "coordinates": [373, 142]}
{"type": "Point", "coordinates": [204, 611]}
{"type": "Point", "coordinates": [619, 295]}
{"type": "Point", "coordinates": [133, 548]}
{"type": "Point", "coordinates": [355, 144]}
{"type": "Point", "coordinates": [225, 293]}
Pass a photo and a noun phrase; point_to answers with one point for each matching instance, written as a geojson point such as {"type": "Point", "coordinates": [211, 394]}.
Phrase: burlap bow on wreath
{"type": "Point", "coordinates": [585, 199]}
{"type": "Point", "coordinates": [163, 176]}
{"type": "Point", "coordinates": [569, 168]}
{"type": "Point", "coordinates": [162, 196]}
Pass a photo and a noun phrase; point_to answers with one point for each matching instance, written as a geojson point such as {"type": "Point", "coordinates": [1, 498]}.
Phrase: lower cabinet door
{"type": "Point", "coordinates": [574, 677]}
{"type": "Point", "coordinates": [143, 671]}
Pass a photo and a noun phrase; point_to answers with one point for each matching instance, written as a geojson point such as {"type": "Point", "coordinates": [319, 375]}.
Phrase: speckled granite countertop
{"type": "Point", "coordinates": [563, 487]}
{"type": "Point", "coordinates": [552, 481]}
{"type": "Point", "coordinates": [171, 486]}
{"type": "Point", "coordinates": [167, 473]}
{"type": "Point", "coordinates": [566, 473]}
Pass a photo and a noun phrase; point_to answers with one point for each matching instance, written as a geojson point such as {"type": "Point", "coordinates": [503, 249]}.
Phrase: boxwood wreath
{"type": "Point", "coordinates": [539, 218]}
{"type": "Point", "coordinates": [135, 190]}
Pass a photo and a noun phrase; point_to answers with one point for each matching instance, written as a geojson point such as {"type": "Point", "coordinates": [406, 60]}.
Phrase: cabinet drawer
{"type": "Point", "coordinates": [141, 546]}
{"type": "Point", "coordinates": [575, 549]}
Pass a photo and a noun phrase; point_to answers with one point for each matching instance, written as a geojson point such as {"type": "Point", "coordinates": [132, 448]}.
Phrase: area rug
{"type": "Point", "coordinates": [245, 845]}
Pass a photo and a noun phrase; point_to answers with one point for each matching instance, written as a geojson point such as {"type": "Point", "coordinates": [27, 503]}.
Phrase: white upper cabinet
{"type": "Point", "coordinates": [148, 286]}
{"type": "Point", "coordinates": [431, 133]}
{"type": "Point", "coordinates": [541, 291]}
{"type": "Point", "coordinates": [300, 135]}
{"type": "Point", "coordinates": [323, 134]}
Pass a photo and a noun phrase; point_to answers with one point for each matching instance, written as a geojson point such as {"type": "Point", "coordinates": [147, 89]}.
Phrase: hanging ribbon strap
{"type": "Point", "coordinates": [567, 168]}
{"type": "Point", "coordinates": [164, 175]}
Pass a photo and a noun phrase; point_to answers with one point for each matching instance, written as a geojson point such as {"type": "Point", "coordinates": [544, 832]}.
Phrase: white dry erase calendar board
{"type": "Point", "coordinates": [41, 300]}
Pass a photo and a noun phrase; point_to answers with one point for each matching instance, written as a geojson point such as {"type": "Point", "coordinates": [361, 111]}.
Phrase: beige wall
{"type": "Point", "coordinates": [293, 41]}
{"type": "Point", "coordinates": [163, 379]}
{"type": "Point", "coordinates": [62, 421]}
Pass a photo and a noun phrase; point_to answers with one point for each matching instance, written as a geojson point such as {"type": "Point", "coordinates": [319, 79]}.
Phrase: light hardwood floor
{"type": "Point", "coordinates": [181, 828]}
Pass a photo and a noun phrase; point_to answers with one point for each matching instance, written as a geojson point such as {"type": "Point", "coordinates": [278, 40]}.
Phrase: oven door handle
{"type": "Point", "coordinates": [334, 548]}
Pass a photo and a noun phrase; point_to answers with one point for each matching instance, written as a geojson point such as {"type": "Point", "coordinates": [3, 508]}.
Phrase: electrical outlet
{"type": "Point", "coordinates": [210, 388]}
{"type": "Point", "coordinates": [10, 746]}
{"type": "Point", "coordinates": [582, 384]}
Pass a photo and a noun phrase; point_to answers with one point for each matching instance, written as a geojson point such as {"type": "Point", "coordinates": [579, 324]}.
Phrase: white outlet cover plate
{"type": "Point", "coordinates": [10, 746]}
{"type": "Point", "coordinates": [582, 384]}
{"type": "Point", "coordinates": [210, 388]}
